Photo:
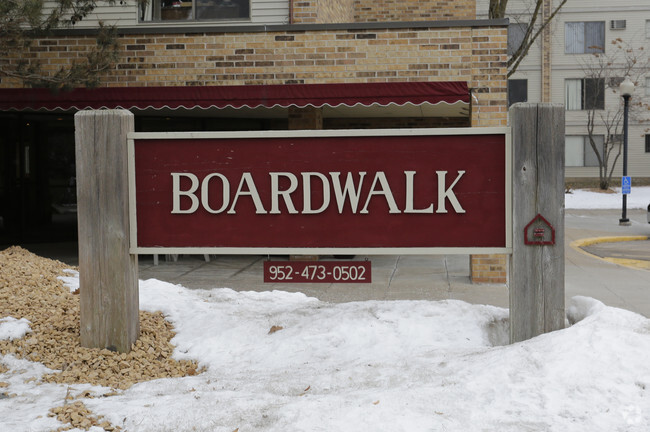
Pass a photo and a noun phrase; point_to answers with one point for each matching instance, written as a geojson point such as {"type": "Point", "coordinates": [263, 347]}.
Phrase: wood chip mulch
{"type": "Point", "coordinates": [29, 289]}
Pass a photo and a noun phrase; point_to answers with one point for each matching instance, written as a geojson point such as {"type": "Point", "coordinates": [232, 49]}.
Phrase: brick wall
{"type": "Point", "coordinates": [413, 10]}
{"type": "Point", "coordinates": [342, 11]}
{"type": "Point", "coordinates": [323, 11]}
{"type": "Point", "coordinates": [488, 61]}
{"type": "Point", "coordinates": [336, 11]}
{"type": "Point", "coordinates": [489, 269]}
{"type": "Point", "coordinates": [476, 55]}
{"type": "Point", "coordinates": [305, 12]}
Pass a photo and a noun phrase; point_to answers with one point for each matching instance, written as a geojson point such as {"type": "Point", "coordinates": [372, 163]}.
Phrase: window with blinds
{"type": "Point", "coordinates": [584, 37]}
{"type": "Point", "coordinates": [580, 153]}
{"type": "Point", "coordinates": [193, 10]}
{"type": "Point", "coordinates": [584, 94]}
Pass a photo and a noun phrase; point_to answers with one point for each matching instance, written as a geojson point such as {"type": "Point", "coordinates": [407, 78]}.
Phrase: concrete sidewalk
{"type": "Point", "coordinates": [441, 277]}
{"type": "Point", "coordinates": [394, 277]}
{"type": "Point", "coordinates": [426, 277]}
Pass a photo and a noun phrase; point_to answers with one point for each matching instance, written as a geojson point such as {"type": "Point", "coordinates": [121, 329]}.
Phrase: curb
{"type": "Point", "coordinates": [626, 262]}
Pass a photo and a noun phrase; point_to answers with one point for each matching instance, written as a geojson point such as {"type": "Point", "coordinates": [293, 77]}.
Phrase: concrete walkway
{"type": "Point", "coordinates": [433, 277]}
{"type": "Point", "coordinates": [446, 277]}
{"type": "Point", "coordinates": [393, 278]}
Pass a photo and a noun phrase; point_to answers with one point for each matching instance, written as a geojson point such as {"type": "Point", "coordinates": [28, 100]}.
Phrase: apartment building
{"type": "Point", "coordinates": [248, 65]}
{"type": "Point", "coordinates": [215, 65]}
{"type": "Point", "coordinates": [560, 69]}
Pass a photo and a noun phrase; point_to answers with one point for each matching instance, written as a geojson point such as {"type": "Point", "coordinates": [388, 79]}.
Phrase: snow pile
{"type": "Point", "coordinates": [12, 328]}
{"type": "Point", "coordinates": [586, 199]}
{"type": "Point", "coordinates": [280, 361]}
{"type": "Point", "coordinates": [72, 281]}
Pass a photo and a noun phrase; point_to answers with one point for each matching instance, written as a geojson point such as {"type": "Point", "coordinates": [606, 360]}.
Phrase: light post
{"type": "Point", "coordinates": [626, 88]}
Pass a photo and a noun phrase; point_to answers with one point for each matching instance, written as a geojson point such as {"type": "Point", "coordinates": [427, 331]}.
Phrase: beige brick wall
{"type": "Point", "coordinates": [489, 269]}
{"type": "Point", "coordinates": [475, 55]}
{"type": "Point", "coordinates": [488, 61]}
{"type": "Point", "coordinates": [341, 11]}
{"type": "Point", "coordinates": [305, 12]}
{"type": "Point", "coordinates": [323, 11]}
{"type": "Point", "coordinates": [336, 11]}
{"type": "Point", "coordinates": [413, 10]}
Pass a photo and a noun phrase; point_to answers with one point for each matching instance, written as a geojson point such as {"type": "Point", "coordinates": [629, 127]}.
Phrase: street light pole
{"type": "Point", "coordinates": [626, 88]}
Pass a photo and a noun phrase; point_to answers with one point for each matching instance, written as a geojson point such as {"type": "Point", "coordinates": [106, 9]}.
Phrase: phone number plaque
{"type": "Point", "coordinates": [317, 272]}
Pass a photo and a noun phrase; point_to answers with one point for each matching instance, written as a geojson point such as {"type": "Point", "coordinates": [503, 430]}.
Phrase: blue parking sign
{"type": "Point", "coordinates": [626, 185]}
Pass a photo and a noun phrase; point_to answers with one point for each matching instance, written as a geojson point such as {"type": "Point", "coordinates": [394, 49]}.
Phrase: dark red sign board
{"type": "Point", "coordinates": [312, 191]}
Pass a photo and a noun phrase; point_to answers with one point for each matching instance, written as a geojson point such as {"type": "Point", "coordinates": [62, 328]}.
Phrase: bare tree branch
{"type": "Point", "coordinates": [497, 9]}
{"type": "Point", "coordinates": [534, 27]}
{"type": "Point", "coordinates": [531, 35]}
{"type": "Point", "coordinates": [610, 68]}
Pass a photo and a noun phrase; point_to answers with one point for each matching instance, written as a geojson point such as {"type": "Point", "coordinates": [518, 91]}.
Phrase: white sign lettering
{"type": "Point", "coordinates": [215, 193]}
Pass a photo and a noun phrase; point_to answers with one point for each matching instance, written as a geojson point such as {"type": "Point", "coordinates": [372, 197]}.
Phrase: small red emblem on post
{"type": "Point", "coordinates": [539, 232]}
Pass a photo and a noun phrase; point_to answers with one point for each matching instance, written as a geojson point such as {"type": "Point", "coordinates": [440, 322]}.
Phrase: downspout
{"type": "Point", "coordinates": [290, 11]}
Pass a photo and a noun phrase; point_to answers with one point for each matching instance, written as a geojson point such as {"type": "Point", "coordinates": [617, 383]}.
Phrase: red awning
{"type": "Point", "coordinates": [251, 96]}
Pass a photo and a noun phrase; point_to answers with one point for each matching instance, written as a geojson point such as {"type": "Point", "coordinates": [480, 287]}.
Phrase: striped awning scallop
{"type": "Point", "coordinates": [453, 94]}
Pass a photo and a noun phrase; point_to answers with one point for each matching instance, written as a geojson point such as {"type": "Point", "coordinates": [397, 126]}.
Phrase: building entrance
{"type": "Point", "coordinates": [37, 179]}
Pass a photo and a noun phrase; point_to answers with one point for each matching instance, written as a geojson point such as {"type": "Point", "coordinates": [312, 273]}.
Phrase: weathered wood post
{"type": "Point", "coordinates": [108, 274]}
{"type": "Point", "coordinates": [537, 261]}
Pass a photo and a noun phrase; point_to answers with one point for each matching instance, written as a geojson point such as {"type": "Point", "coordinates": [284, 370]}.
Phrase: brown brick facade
{"type": "Point", "coordinates": [323, 11]}
{"type": "Point", "coordinates": [475, 55]}
{"type": "Point", "coordinates": [348, 11]}
{"type": "Point", "coordinates": [489, 269]}
{"type": "Point", "coordinates": [413, 10]}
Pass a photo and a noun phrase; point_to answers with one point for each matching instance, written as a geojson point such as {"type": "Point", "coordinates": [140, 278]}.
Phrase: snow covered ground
{"type": "Point", "coordinates": [585, 199]}
{"type": "Point", "coordinates": [365, 366]}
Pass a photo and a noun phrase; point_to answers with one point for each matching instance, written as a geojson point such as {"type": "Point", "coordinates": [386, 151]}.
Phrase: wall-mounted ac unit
{"type": "Point", "coordinates": [617, 24]}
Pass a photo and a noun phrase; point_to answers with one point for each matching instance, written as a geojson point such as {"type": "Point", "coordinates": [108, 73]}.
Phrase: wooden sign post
{"type": "Point", "coordinates": [468, 185]}
{"type": "Point", "coordinates": [537, 260]}
{"type": "Point", "coordinates": [108, 273]}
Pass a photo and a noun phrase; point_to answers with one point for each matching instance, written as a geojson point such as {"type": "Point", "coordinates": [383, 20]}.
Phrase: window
{"type": "Point", "coordinates": [516, 33]}
{"type": "Point", "coordinates": [647, 29]}
{"type": "Point", "coordinates": [584, 37]}
{"type": "Point", "coordinates": [585, 93]}
{"type": "Point", "coordinates": [517, 91]}
{"type": "Point", "coordinates": [647, 86]}
{"type": "Point", "coordinates": [579, 153]}
{"type": "Point", "coordinates": [647, 143]}
{"type": "Point", "coordinates": [188, 10]}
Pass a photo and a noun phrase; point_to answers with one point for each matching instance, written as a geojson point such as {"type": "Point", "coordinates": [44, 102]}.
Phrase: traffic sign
{"type": "Point", "coordinates": [626, 185]}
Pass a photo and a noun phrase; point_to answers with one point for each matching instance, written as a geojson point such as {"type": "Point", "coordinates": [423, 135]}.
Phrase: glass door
{"type": "Point", "coordinates": [37, 179]}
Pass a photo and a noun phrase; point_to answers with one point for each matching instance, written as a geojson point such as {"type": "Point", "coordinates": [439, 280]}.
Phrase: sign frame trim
{"type": "Point", "coordinates": [317, 133]}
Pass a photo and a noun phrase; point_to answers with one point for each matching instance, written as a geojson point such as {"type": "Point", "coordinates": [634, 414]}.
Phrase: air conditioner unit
{"type": "Point", "coordinates": [617, 24]}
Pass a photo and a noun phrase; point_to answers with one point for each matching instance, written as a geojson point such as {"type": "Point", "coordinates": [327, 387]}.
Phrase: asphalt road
{"type": "Point", "coordinates": [635, 249]}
